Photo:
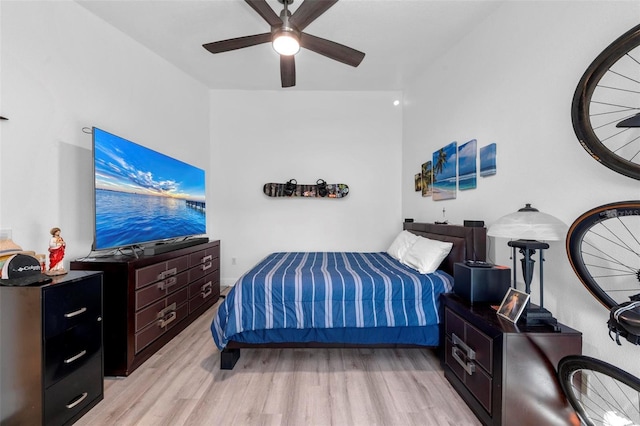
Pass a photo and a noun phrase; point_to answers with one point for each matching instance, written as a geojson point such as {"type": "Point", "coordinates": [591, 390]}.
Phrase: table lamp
{"type": "Point", "coordinates": [527, 229]}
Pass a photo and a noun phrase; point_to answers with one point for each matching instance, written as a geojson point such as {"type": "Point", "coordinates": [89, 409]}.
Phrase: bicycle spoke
{"type": "Point", "coordinates": [601, 393]}
{"type": "Point", "coordinates": [606, 95]}
{"type": "Point", "coordinates": [604, 250]}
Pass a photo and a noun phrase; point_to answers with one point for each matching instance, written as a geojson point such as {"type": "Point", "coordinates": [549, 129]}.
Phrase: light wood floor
{"type": "Point", "coordinates": [182, 384]}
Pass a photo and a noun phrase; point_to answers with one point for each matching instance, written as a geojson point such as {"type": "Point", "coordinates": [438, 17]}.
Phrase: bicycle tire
{"type": "Point", "coordinates": [603, 246]}
{"type": "Point", "coordinates": [598, 391]}
{"type": "Point", "coordinates": [595, 131]}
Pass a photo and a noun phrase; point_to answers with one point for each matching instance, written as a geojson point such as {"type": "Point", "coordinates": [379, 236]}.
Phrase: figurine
{"type": "Point", "coordinates": [56, 253]}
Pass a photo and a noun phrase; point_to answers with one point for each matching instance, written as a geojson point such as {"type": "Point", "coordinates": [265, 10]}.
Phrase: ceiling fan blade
{"type": "Point", "coordinates": [265, 11]}
{"type": "Point", "coordinates": [237, 43]}
{"type": "Point", "coordinates": [308, 11]}
{"type": "Point", "coordinates": [331, 49]}
{"type": "Point", "coordinates": [288, 70]}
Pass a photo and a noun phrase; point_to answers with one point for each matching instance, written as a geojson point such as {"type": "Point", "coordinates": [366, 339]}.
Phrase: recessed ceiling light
{"type": "Point", "coordinates": [396, 102]}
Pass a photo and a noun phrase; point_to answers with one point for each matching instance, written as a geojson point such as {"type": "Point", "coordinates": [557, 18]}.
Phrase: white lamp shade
{"type": "Point", "coordinates": [528, 225]}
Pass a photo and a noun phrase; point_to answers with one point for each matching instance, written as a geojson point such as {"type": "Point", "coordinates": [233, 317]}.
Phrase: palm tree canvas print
{"type": "Point", "coordinates": [445, 172]}
{"type": "Point", "coordinates": [427, 179]}
{"type": "Point", "coordinates": [467, 165]}
{"type": "Point", "coordinates": [488, 160]}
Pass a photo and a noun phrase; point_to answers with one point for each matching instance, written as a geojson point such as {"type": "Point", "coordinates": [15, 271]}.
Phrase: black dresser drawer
{"type": "Point", "coordinates": [73, 394]}
{"type": "Point", "coordinates": [72, 304]}
{"type": "Point", "coordinates": [70, 350]}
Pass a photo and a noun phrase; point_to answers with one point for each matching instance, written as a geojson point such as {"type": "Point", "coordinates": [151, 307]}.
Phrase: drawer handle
{"type": "Point", "coordinates": [468, 366]}
{"type": "Point", "coordinates": [162, 285]}
{"type": "Point", "coordinates": [77, 401]}
{"type": "Point", "coordinates": [163, 312]}
{"type": "Point", "coordinates": [75, 357]}
{"type": "Point", "coordinates": [169, 272]}
{"type": "Point", "coordinates": [206, 259]}
{"type": "Point", "coordinates": [167, 320]}
{"type": "Point", "coordinates": [469, 353]}
{"type": "Point", "coordinates": [206, 290]}
{"type": "Point", "coordinates": [75, 313]}
{"type": "Point", "coordinates": [207, 266]}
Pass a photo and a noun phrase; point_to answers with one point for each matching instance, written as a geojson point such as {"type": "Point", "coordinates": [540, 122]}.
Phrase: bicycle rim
{"type": "Point", "coordinates": [600, 393]}
{"type": "Point", "coordinates": [606, 95]}
{"type": "Point", "coordinates": [603, 246]}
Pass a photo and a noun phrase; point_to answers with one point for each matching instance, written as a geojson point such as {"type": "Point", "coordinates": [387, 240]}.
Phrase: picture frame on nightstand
{"type": "Point", "coordinates": [513, 304]}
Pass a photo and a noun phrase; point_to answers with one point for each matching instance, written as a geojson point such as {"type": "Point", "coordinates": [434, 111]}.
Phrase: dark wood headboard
{"type": "Point", "coordinates": [469, 243]}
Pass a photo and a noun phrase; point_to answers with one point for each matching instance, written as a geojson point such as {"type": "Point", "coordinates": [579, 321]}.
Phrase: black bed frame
{"type": "Point", "coordinates": [469, 243]}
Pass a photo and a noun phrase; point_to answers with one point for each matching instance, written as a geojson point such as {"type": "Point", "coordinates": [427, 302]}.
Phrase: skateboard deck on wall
{"type": "Point", "coordinates": [320, 189]}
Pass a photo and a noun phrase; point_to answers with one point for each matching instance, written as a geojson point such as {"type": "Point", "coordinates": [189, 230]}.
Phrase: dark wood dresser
{"type": "Point", "coordinates": [51, 350]}
{"type": "Point", "coordinates": [148, 300]}
{"type": "Point", "coordinates": [505, 372]}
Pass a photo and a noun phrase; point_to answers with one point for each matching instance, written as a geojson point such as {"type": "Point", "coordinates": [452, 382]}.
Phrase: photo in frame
{"type": "Point", "coordinates": [513, 304]}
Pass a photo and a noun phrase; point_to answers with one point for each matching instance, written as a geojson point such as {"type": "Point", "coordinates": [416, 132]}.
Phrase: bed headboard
{"type": "Point", "coordinates": [469, 243]}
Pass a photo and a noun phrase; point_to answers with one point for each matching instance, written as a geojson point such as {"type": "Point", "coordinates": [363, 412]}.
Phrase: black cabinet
{"type": "Point", "coordinates": [505, 372]}
{"type": "Point", "coordinates": [51, 352]}
{"type": "Point", "coordinates": [149, 299]}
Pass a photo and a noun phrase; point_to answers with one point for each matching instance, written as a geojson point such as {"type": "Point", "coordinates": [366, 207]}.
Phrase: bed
{"type": "Point", "coordinates": [345, 299]}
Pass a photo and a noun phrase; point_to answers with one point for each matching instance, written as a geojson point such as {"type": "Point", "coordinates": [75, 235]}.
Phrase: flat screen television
{"type": "Point", "coordinates": [142, 196]}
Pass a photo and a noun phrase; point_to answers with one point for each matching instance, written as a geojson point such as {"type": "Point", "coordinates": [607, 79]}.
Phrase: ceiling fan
{"type": "Point", "coordinates": [287, 37]}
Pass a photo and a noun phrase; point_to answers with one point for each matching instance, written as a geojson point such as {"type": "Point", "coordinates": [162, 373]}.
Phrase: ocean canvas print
{"type": "Point", "coordinates": [467, 165]}
{"type": "Point", "coordinates": [427, 179]}
{"type": "Point", "coordinates": [445, 172]}
{"type": "Point", "coordinates": [488, 160]}
{"type": "Point", "coordinates": [142, 195]}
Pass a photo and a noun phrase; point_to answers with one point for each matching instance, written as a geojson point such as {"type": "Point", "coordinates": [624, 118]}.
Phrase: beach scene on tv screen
{"type": "Point", "coordinates": [142, 195]}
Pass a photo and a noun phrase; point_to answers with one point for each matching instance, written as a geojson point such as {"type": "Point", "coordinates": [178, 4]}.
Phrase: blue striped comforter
{"type": "Point", "coordinates": [305, 290]}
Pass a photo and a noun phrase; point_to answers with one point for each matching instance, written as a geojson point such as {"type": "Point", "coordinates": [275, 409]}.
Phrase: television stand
{"type": "Point", "coordinates": [176, 245]}
{"type": "Point", "coordinates": [149, 300]}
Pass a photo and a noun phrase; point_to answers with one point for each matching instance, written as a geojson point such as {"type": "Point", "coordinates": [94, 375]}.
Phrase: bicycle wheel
{"type": "Point", "coordinates": [603, 246]}
{"type": "Point", "coordinates": [605, 106]}
{"type": "Point", "coordinates": [601, 393]}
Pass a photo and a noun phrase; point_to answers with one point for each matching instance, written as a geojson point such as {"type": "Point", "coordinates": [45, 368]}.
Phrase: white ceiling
{"type": "Point", "coordinates": [399, 37]}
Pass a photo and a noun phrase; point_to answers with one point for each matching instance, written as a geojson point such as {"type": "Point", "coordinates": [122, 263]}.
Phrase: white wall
{"type": "Point", "coordinates": [64, 69]}
{"type": "Point", "coordinates": [511, 82]}
{"type": "Point", "coordinates": [273, 136]}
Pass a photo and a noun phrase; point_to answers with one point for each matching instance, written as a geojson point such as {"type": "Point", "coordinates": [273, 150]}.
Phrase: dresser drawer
{"type": "Point", "coordinates": [67, 305]}
{"type": "Point", "coordinates": [480, 343]}
{"type": "Point", "coordinates": [160, 310]}
{"type": "Point", "coordinates": [70, 350]}
{"type": "Point", "coordinates": [74, 393]}
{"type": "Point", "coordinates": [162, 271]}
{"type": "Point", "coordinates": [204, 262]}
{"type": "Point", "coordinates": [203, 290]}
{"type": "Point", "coordinates": [160, 289]}
{"type": "Point", "coordinates": [172, 316]}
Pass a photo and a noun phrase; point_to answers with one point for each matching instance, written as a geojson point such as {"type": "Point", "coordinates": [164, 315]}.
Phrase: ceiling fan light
{"type": "Point", "coordinates": [286, 43]}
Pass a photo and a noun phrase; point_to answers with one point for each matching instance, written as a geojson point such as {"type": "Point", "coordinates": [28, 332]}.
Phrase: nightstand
{"type": "Point", "coordinates": [51, 370]}
{"type": "Point", "coordinates": [506, 373]}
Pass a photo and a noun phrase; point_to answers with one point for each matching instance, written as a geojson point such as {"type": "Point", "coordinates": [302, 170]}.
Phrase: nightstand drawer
{"type": "Point", "coordinates": [70, 350]}
{"type": "Point", "coordinates": [74, 393]}
{"type": "Point", "coordinates": [69, 305]}
{"type": "Point", "coordinates": [479, 342]}
{"type": "Point", "coordinates": [464, 365]}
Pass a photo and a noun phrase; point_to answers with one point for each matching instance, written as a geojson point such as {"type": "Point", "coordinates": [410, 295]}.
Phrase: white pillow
{"type": "Point", "coordinates": [401, 244]}
{"type": "Point", "coordinates": [426, 255]}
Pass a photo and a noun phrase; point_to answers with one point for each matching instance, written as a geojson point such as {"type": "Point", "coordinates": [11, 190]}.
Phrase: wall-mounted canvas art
{"type": "Point", "coordinates": [445, 172]}
{"type": "Point", "coordinates": [488, 160]}
{"type": "Point", "coordinates": [467, 165]}
{"type": "Point", "coordinates": [427, 179]}
{"type": "Point", "coordinates": [417, 182]}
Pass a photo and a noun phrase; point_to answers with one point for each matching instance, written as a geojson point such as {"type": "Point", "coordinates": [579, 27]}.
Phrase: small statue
{"type": "Point", "coordinates": [56, 253]}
